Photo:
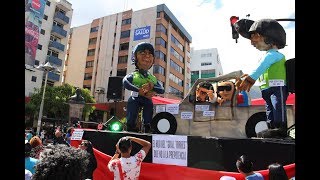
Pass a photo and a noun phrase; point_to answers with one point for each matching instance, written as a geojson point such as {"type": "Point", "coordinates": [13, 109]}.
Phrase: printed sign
{"type": "Point", "coordinates": [77, 134]}
{"type": "Point", "coordinates": [160, 108]}
{"type": "Point", "coordinates": [172, 108]}
{"type": "Point", "coordinates": [202, 107]}
{"type": "Point", "coordinates": [170, 149]}
{"type": "Point", "coordinates": [208, 113]}
{"type": "Point", "coordinates": [187, 115]}
{"type": "Point", "coordinates": [142, 33]}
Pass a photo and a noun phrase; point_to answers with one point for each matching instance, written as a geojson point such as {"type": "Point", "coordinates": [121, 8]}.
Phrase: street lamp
{"type": "Point", "coordinates": [45, 68]}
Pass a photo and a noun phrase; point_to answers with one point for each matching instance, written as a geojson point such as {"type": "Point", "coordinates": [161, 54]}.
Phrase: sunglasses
{"type": "Point", "coordinates": [222, 88]}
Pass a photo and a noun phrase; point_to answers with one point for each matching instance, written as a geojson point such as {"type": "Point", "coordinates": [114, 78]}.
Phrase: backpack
{"type": "Point", "coordinates": [290, 74]}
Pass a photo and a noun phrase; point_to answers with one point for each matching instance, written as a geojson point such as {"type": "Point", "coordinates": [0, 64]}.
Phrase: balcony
{"type": "Point", "coordinates": [61, 18]}
{"type": "Point", "coordinates": [56, 46]}
{"type": "Point", "coordinates": [53, 76]}
{"type": "Point", "coordinates": [64, 5]}
{"type": "Point", "coordinates": [58, 31]}
{"type": "Point", "coordinates": [54, 60]}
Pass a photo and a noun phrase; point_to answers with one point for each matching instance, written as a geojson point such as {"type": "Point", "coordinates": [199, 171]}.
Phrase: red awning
{"type": "Point", "coordinates": [161, 100]}
{"type": "Point", "coordinates": [260, 101]}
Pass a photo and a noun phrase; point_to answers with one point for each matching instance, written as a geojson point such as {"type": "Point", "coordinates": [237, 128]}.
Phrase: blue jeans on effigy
{"type": "Point", "coordinates": [276, 110]}
{"type": "Point", "coordinates": [134, 103]}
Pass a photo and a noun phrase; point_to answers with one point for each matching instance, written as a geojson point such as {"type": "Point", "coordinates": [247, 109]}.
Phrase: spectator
{"type": "Point", "coordinates": [61, 162]}
{"type": "Point", "coordinates": [87, 146]}
{"type": "Point", "coordinates": [69, 134]}
{"type": "Point", "coordinates": [59, 138]}
{"type": "Point", "coordinates": [29, 162]}
{"type": "Point", "coordinates": [277, 172]}
{"type": "Point", "coordinates": [37, 147]}
{"type": "Point", "coordinates": [128, 167]}
{"type": "Point", "coordinates": [205, 92]}
{"type": "Point", "coordinates": [245, 167]}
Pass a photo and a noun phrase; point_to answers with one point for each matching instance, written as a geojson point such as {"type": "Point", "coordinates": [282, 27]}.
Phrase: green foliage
{"type": "Point", "coordinates": [56, 101]}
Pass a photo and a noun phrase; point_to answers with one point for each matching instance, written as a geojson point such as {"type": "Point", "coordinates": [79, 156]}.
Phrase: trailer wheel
{"type": "Point", "coordinates": [164, 123]}
{"type": "Point", "coordinates": [255, 124]}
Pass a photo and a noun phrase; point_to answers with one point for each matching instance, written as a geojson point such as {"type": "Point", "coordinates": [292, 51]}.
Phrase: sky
{"type": "Point", "coordinates": [208, 23]}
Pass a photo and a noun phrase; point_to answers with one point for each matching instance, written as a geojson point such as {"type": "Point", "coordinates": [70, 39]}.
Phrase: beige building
{"type": "Point", "coordinates": [53, 39]}
{"type": "Point", "coordinates": [102, 49]}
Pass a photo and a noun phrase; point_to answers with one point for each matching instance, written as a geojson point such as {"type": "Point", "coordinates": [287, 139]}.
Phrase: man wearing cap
{"type": "Point", "coordinates": [268, 35]}
{"type": "Point", "coordinates": [143, 85]}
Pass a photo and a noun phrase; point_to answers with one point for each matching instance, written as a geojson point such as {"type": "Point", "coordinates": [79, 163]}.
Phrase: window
{"type": "Point", "coordinates": [124, 46]}
{"type": "Point", "coordinates": [121, 72]}
{"type": "Point", "coordinates": [126, 21]}
{"type": "Point", "coordinates": [123, 60]}
{"type": "Point", "coordinates": [42, 31]}
{"type": "Point", "coordinates": [176, 79]}
{"type": "Point", "coordinates": [89, 64]}
{"type": "Point", "coordinates": [160, 41]}
{"type": "Point", "coordinates": [48, 3]}
{"type": "Point", "coordinates": [206, 63]}
{"type": "Point", "coordinates": [160, 55]}
{"type": "Point", "coordinates": [176, 54]}
{"type": "Point", "coordinates": [158, 14]}
{"type": "Point", "coordinates": [87, 76]}
{"type": "Point", "coordinates": [159, 69]}
{"type": "Point", "coordinates": [161, 28]}
{"type": "Point", "coordinates": [53, 53]}
{"type": "Point", "coordinates": [55, 38]}
{"type": "Point", "coordinates": [45, 17]}
{"type": "Point", "coordinates": [91, 52]}
{"type": "Point", "coordinates": [94, 29]}
{"type": "Point", "coordinates": [55, 23]}
{"type": "Point", "coordinates": [93, 40]}
{"type": "Point", "coordinates": [87, 87]}
{"type": "Point", "coordinates": [176, 42]}
{"type": "Point", "coordinates": [176, 66]}
{"type": "Point", "coordinates": [39, 46]}
{"type": "Point", "coordinates": [175, 91]}
{"type": "Point", "coordinates": [34, 79]}
{"type": "Point", "coordinates": [206, 55]}
{"type": "Point", "coordinates": [125, 34]}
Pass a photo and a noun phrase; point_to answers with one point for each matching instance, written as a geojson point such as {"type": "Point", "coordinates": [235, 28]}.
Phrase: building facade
{"type": "Point", "coordinates": [54, 27]}
{"type": "Point", "coordinates": [205, 63]}
{"type": "Point", "coordinates": [103, 49]}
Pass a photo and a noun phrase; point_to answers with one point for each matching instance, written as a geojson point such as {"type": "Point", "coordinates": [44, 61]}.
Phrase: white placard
{"type": "Point", "coordinates": [160, 108]}
{"type": "Point", "coordinates": [276, 82]}
{"type": "Point", "coordinates": [170, 149]}
{"type": "Point", "coordinates": [172, 108]}
{"type": "Point", "coordinates": [187, 115]}
{"type": "Point", "coordinates": [202, 107]}
{"type": "Point", "coordinates": [208, 113]}
{"type": "Point", "coordinates": [77, 134]}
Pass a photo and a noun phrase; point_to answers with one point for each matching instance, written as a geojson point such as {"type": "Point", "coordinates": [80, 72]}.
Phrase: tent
{"type": "Point", "coordinates": [161, 100]}
{"type": "Point", "coordinates": [260, 101]}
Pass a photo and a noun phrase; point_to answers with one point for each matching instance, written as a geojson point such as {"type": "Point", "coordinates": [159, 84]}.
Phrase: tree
{"type": "Point", "coordinates": [55, 101]}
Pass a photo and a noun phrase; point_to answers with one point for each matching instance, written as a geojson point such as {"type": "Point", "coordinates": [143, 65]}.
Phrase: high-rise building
{"type": "Point", "coordinates": [47, 38]}
{"type": "Point", "coordinates": [103, 49]}
{"type": "Point", "coordinates": [205, 63]}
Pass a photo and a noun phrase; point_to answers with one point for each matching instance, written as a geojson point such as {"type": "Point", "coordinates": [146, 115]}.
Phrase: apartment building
{"type": "Point", "coordinates": [103, 49]}
{"type": "Point", "coordinates": [205, 63]}
{"type": "Point", "coordinates": [47, 28]}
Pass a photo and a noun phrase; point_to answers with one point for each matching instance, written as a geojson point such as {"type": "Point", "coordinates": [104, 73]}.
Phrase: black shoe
{"type": "Point", "coordinates": [147, 128]}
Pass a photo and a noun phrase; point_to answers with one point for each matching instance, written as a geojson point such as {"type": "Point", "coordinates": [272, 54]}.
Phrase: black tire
{"type": "Point", "coordinates": [253, 121]}
{"type": "Point", "coordinates": [164, 117]}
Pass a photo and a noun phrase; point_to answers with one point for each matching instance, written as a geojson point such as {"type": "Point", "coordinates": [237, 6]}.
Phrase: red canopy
{"type": "Point", "coordinates": [161, 100]}
{"type": "Point", "coordinates": [260, 101]}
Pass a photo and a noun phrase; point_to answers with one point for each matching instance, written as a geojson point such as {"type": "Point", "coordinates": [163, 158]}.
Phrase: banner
{"type": "Point", "coordinates": [34, 10]}
{"type": "Point", "coordinates": [141, 33]}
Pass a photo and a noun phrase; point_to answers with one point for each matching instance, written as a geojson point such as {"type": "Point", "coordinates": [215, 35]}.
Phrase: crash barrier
{"type": "Point", "coordinates": [198, 153]}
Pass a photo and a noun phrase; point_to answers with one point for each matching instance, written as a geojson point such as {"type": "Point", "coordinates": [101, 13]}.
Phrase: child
{"type": "Point", "coordinates": [268, 35]}
{"type": "Point", "coordinates": [143, 85]}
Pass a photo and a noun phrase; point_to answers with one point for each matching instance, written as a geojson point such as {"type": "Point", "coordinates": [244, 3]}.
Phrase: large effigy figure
{"type": "Point", "coordinates": [143, 85]}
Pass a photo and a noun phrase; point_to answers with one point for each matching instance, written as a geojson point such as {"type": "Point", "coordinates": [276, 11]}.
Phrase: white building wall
{"type": "Point", "coordinates": [44, 40]}
{"type": "Point", "coordinates": [198, 57]}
